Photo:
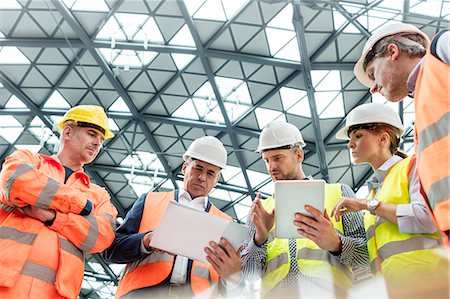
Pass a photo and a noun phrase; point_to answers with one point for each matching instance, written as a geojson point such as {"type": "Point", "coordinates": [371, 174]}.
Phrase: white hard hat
{"type": "Point", "coordinates": [278, 134]}
{"type": "Point", "coordinates": [208, 149]}
{"type": "Point", "coordinates": [368, 114]}
{"type": "Point", "coordinates": [386, 30]}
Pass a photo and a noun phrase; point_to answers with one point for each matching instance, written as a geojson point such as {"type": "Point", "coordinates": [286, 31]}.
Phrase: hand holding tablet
{"type": "Point", "coordinates": [290, 198]}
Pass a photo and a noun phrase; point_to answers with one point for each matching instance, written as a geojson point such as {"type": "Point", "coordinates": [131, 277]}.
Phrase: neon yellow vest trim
{"type": "Point", "coordinates": [312, 261]}
{"type": "Point", "coordinates": [404, 258]}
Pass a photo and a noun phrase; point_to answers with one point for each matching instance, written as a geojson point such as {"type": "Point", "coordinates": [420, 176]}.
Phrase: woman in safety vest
{"type": "Point", "coordinates": [403, 241]}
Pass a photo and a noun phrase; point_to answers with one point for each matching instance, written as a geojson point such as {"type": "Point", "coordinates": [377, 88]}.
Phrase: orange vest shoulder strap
{"type": "Point", "coordinates": [154, 207]}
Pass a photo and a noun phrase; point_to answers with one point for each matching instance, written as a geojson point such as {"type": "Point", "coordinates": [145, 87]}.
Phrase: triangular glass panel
{"type": "Point", "coordinates": [90, 5]}
{"type": "Point", "coordinates": [187, 110]}
{"type": "Point", "coordinates": [232, 7]}
{"type": "Point", "coordinates": [119, 106]}
{"type": "Point", "coordinates": [56, 100]}
{"type": "Point", "coordinates": [283, 20]}
{"type": "Point", "coordinates": [265, 116]}
{"type": "Point", "coordinates": [11, 134]}
{"type": "Point", "coordinates": [211, 10]}
{"type": "Point", "coordinates": [9, 4]}
{"type": "Point", "coordinates": [277, 38]}
{"type": "Point", "coordinates": [15, 103]}
{"type": "Point", "coordinates": [181, 60]}
{"type": "Point", "coordinates": [183, 38]}
{"type": "Point", "coordinates": [193, 5]}
{"type": "Point", "coordinates": [12, 55]}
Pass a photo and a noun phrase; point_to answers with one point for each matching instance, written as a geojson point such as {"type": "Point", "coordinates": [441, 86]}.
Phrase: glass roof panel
{"type": "Point", "coordinates": [232, 7]}
{"type": "Point", "coordinates": [283, 20]}
{"type": "Point", "coordinates": [290, 51]}
{"type": "Point", "coordinates": [90, 5]}
{"type": "Point", "coordinates": [112, 124]}
{"type": "Point", "coordinates": [150, 33]}
{"type": "Point", "coordinates": [9, 4]}
{"type": "Point", "coordinates": [265, 116]}
{"type": "Point", "coordinates": [188, 110]}
{"type": "Point", "coordinates": [326, 80]}
{"type": "Point", "coordinates": [130, 23]}
{"type": "Point", "coordinates": [230, 172]}
{"type": "Point", "coordinates": [181, 60]}
{"type": "Point", "coordinates": [12, 55]}
{"type": "Point", "coordinates": [111, 30]}
{"type": "Point", "coordinates": [193, 5]}
{"type": "Point", "coordinates": [329, 104]}
{"type": "Point", "coordinates": [291, 96]}
{"type": "Point", "coordinates": [56, 100]}
{"type": "Point", "coordinates": [183, 38]}
{"type": "Point", "coordinates": [211, 10]}
{"type": "Point", "coordinates": [15, 103]}
{"type": "Point", "coordinates": [431, 8]}
{"type": "Point", "coordinates": [11, 128]}
{"type": "Point", "coordinates": [119, 106]}
{"type": "Point", "coordinates": [278, 38]}
{"type": "Point", "coordinates": [42, 133]}
{"type": "Point", "coordinates": [301, 108]}
{"type": "Point", "coordinates": [256, 178]}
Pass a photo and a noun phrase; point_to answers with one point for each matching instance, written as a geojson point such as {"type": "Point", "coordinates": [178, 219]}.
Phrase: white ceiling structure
{"type": "Point", "coordinates": [170, 71]}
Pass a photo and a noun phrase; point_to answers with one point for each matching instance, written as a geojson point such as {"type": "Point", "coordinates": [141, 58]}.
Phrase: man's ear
{"type": "Point", "coordinates": [183, 168]}
{"type": "Point", "coordinates": [393, 51]}
{"type": "Point", "coordinates": [67, 132]}
{"type": "Point", "coordinates": [299, 154]}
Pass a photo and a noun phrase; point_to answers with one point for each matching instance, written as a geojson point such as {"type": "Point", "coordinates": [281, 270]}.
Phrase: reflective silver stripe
{"type": "Point", "coordinates": [92, 234]}
{"type": "Point", "coordinates": [201, 272]}
{"type": "Point", "coordinates": [412, 244]}
{"type": "Point", "coordinates": [40, 272]}
{"type": "Point", "coordinates": [276, 262]}
{"type": "Point", "coordinates": [434, 132]}
{"type": "Point", "coordinates": [381, 221]}
{"type": "Point", "coordinates": [111, 221]}
{"type": "Point", "coordinates": [6, 208]}
{"type": "Point", "coordinates": [321, 255]}
{"type": "Point", "coordinates": [375, 266]}
{"type": "Point", "coordinates": [439, 191]}
{"type": "Point", "coordinates": [20, 170]}
{"type": "Point", "coordinates": [370, 232]}
{"type": "Point", "coordinates": [151, 258]}
{"type": "Point", "coordinates": [16, 235]}
{"type": "Point", "coordinates": [47, 194]}
{"type": "Point", "coordinates": [69, 247]}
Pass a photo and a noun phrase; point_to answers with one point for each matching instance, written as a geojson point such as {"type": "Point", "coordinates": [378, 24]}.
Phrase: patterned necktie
{"type": "Point", "coordinates": [293, 254]}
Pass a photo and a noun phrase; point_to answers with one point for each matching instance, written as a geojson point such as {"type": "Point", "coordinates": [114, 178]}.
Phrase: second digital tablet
{"type": "Point", "coordinates": [290, 198]}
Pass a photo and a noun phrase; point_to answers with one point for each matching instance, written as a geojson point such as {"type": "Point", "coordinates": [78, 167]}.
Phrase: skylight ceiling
{"type": "Point", "coordinates": [168, 72]}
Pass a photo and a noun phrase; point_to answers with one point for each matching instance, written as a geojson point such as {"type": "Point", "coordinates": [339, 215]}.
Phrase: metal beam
{"type": "Point", "coordinates": [210, 74]}
{"type": "Point", "coordinates": [297, 20]}
{"type": "Point", "coordinates": [73, 23]}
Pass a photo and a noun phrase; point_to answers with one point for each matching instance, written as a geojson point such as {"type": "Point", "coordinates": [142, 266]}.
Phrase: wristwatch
{"type": "Point", "coordinates": [372, 205]}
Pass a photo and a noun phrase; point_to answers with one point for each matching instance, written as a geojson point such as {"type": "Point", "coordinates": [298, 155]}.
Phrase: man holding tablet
{"type": "Point", "coordinates": [153, 273]}
{"type": "Point", "coordinates": [293, 267]}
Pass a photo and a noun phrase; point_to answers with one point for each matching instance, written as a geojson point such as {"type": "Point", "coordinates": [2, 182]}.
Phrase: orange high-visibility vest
{"type": "Point", "coordinates": [432, 134]}
{"type": "Point", "coordinates": [156, 267]}
{"type": "Point", "coordinates": [52, 255]}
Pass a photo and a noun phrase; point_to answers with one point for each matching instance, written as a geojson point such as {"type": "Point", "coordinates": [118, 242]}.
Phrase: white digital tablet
{"type": "Point", "coordinates": [187, 231]}
{"type": "Point", "coordinates": [290, 198]}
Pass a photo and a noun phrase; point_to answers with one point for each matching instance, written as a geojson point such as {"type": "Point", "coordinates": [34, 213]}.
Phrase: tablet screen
{"type": "Point", "coordinates": [290, 198]}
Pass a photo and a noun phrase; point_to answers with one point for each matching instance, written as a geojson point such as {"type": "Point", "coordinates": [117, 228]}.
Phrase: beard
{"type": "Point", "coordinates": [395, 90]}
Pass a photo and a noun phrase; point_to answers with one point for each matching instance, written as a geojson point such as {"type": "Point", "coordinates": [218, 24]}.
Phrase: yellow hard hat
{"type": "Point", "coordinates": [88, 116]}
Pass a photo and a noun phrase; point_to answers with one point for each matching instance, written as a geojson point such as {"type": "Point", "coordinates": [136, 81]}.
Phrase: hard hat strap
{"type": "Point", "coordinates": [84, 124]}
{"type": "Point", "coordinates": [371, 127]}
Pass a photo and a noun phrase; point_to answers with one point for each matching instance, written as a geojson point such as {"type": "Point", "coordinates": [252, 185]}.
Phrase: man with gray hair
{"type": "Point", "coordinates": [156, 273]}
{"type": "Point", "coordinates": [400, 60]}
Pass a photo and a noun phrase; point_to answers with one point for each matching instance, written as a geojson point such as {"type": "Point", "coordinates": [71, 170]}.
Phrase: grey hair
{"type": "Point", "coordinates": [412, 43]}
